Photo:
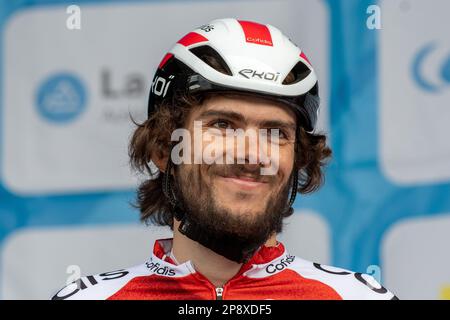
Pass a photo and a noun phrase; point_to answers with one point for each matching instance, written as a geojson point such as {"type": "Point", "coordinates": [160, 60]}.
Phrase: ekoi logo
{"type": "Point", "coordinates": [160, 85]}
{"type": "Point", "coordinates": [163, 271]}
{"type": "Point", "coordinates": [285, 262]}
{"type": "Point", "coordinates": [250, 73]}
{"type": "Point", "coordinates": [207, 27]}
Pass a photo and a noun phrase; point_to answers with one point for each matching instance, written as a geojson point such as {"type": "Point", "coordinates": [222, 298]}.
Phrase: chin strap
{"type": "Point", "coordinates": [231, 247]}
{"type": "Point", "coordinates": [289, 211]}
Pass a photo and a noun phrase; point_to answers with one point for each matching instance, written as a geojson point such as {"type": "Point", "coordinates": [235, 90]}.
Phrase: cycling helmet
{"type": "Point", "coordinates": [254, 58]}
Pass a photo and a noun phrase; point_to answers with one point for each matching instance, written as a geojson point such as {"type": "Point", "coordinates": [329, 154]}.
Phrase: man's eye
{"type": "Point", "coordinates": [281, 133]}
{"type": "Point", "coordinates": [221, 124]}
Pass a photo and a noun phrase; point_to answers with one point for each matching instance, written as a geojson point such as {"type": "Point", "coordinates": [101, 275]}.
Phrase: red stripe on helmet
{"type": "Point", "coordinates": [191, 38]}
{"type": "Point", "coordinates": [256, 33]}
{"type": "Point", "coordinates": [304, 57]}
{"type": "Point", "coordinates": [164, 60]}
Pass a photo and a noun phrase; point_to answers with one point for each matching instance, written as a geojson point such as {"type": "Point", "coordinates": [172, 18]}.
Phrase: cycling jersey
{"type": "Point", "coordinates": [272, 273]}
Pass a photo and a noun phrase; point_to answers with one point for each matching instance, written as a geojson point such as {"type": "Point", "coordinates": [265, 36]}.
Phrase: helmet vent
{"type": "Point", "coordinates": [212, 58]}
{"type": "Point", "coordinates": [298, 73]}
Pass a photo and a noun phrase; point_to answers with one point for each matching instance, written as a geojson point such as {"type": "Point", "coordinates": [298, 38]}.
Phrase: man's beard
{"type": "Point", "coordinates": [215, 221]}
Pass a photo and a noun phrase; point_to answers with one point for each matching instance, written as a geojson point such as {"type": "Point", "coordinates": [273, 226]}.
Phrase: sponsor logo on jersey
{"type": "Point", "coordinates": [87, 282]}
{"type": "Point", "coordinates": [282, 264]}
{"type": "Point", "coordinates": [156, 268]}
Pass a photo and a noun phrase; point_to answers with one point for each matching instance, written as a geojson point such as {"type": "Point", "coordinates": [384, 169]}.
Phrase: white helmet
{"type": "Point", "coordinates": [254, 58]}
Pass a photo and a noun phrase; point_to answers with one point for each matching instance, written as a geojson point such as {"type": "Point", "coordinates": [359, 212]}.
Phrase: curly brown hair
{"type": "Point", "coordinates": [152, 138]}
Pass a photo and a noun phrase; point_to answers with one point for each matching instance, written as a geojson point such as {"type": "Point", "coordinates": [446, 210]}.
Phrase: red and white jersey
{"type": "Point", "coordinates": [272, 273]}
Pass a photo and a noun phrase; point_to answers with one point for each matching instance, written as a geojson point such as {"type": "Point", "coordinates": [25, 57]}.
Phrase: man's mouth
{"type": "Point", "coordinates": [244, 182]}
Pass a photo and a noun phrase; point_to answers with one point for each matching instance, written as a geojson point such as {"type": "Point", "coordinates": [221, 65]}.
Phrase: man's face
{"type": "Point", "coordinates": [236, 198]}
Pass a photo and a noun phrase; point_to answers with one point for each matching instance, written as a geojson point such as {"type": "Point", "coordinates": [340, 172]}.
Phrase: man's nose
{"type": "Point", "coordinates": [256, 149]}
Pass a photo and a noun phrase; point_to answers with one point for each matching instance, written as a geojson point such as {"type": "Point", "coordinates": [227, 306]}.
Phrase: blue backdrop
{"type": "Point", "coordinates": [358, 201]}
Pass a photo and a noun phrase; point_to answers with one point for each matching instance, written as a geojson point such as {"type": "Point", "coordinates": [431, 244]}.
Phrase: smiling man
{"type": "Point", "coordinates": [244, 100]}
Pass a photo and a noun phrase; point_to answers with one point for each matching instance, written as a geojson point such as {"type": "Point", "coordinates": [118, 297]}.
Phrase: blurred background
{"type": "Point", "coordinates": [68, 85]}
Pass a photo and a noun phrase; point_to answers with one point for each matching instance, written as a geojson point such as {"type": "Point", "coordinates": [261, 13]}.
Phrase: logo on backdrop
{"type": "Point", "coordinates": [61, 98]}
{"type": "Point", "coordinates": [420, 64]}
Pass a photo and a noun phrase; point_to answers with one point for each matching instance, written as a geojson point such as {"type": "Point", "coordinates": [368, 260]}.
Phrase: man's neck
{"type": "Point", "coordinates": [213, 266]}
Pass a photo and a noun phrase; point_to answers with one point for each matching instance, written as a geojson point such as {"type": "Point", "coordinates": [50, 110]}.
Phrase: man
{"type": "Point", "coordinates": [226, 199]}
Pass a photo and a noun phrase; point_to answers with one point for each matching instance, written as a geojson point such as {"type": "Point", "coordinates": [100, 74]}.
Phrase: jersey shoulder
{"type": "Point", "coordinates": [100, 286]}
{"type": "Point", "coordinates": [348, 284]}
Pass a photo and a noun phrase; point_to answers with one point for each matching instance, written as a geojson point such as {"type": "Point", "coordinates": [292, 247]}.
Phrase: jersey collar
{"type": "Point", "coordinates": [263, 255]}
